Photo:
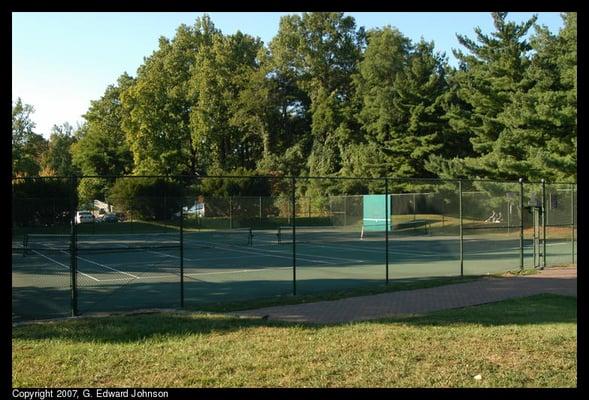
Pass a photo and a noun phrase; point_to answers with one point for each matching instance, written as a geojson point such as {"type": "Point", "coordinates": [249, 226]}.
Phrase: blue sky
{"type": "Point", "coordinates": [62, 61]}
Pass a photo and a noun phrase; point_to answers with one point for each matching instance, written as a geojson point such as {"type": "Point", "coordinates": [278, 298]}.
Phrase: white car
{"type": "Point", "coordinates": [84, 217]}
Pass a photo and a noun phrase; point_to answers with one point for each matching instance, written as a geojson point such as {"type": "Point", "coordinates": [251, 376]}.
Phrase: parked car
{"type": "Point", "coordinates": [198, 209]}
{"type": "Point", "coordinates": [109, 217]}
{"type": "Point", "coordinates": [83, 217]}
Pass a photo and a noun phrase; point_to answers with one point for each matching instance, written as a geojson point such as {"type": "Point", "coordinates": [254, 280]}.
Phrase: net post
{"type": "Point", "coordinates": [294, 252]}
{"type": "Point", "coordinates": [521, 224]}
{"type": "Point", "coordinates": [387, 216]}
{"type": "Point", "coordinates": [543, 223]}
{"type": "Point", "coordinates": [182, 254]}
{"type": "Point", "coordinates": [73, 249]}
{"type": "Point", "coordinates": [572, 224]}
{"type": "Point", "coordinates": [460, 227]}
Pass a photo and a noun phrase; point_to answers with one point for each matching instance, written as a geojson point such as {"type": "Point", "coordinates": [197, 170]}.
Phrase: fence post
{"type": "Point", "coordinates": [386, 219]}
{"type": "Point", "coordinates": [181, 254]}
{"type": "Point", "coordinates": [521, 224]}
{"type": "Point", "coordinates": [73, 249]}
{"type": "Point", "coordinates": [572, 224]}
{"type": "Point", "coordinates": [543, 224]}
{"type": "Point", "coordinates": [294, 252]}
{"type": "Point", "coordinates": [230, 212]}
{"type": "Point", "coordinates": [460, 228]}
{"type": "Point", "coordinates": [345, 210]}
{"type": "Point", "coordinates": [260, 197]}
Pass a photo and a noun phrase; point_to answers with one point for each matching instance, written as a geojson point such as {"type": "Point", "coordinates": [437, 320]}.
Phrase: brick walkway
{"type": "Point", "coordinates": [487, 290]}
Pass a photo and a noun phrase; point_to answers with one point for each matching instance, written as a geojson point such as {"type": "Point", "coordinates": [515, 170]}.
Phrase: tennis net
{"type": "Point", "coordinates": [219, 238]}
{"type": "Point", "coordinates": [315, 234]}
{"type": "Point", "coordinates": [131, 242]}
{"type": "Point", "coordinates": [100, 242]}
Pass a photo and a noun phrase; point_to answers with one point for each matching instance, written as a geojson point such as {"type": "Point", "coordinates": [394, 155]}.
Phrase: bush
{"type": "Point", "coordinates": [42, 201]}
{"type": "Point", "coordinates": [146, 198]}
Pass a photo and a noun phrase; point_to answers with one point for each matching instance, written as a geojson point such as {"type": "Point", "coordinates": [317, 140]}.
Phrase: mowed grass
{"type": "Point", "coordinates": [527, 342]}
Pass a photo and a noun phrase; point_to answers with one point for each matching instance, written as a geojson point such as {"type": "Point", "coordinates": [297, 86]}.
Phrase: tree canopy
{"type": "Point", "coordinates": [326, 98]}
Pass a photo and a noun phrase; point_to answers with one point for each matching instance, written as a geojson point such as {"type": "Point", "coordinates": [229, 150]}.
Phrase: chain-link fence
{"type": "Point", "coordinates": [102, 244]}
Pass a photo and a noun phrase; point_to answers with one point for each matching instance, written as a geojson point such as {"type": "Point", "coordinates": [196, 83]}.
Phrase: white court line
{"type": "Point", "coordinates": [106, 266]}
{"type": "Point", "coordinates": [167, 255]}
{"type": "Point", "coordinates": [141, 277]}
{"type": "Point", "coordinates": [259, 252]}
{"type": "Point", "coordinates": [236, 271]}
{"type": "Point", "coordinates": [203, 258]}
{"type": "Point", "coordinates": [264, 252]}
{"type": "Point", "coordinates": [65, 266]}
{"type": "Point", "coordinates": [316, 255]}
{"type": "Point", "coordinates": [342, 247]}
{"type": "Point", "coordinates": [202, 273]}
{"type": "Point", "coordinates": [101, 265]}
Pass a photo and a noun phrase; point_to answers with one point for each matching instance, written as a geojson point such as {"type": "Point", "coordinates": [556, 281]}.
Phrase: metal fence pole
{"type": "Point", "coordinates": [386, 219]}
{"type": "Point", "coordinates": [543, 223]}
{"type": "Point", "coordinates": [260, 198]}
{"type": "Point", "coordinates": [460, 228]}
{"type": "Point", "coordinates": [182, 254]}
{"type": "Point", "coordinates": [345, 210]}
{"type": "Point", "coordinates": [73, 249]}
{"type": "Point", "coordinates": [572, 224]}
{"type": "Point", "coordinates": [521, 224]}
{"type": "Point", "coordinates": [230, 212]}
{"type": "Point", "coordinates": [294, 252]}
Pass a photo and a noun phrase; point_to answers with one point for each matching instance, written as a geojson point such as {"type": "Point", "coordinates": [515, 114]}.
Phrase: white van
{"type": "Point", "coordinates": [84, 217]}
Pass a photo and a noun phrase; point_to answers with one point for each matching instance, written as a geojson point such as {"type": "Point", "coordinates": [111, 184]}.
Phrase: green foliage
{"type": "Point", "coordinates": [100, 147]}
{"type": "Point", "coordinates": [326, 98]}
{"type": "Point", "coordinates": [518, 108]}
{"type": "Point", "coordinates": [57, 159]}
{"type": "Point", "coordinates": [42, 201]}
{"type": "Point", "coordinates": [401, 88]}
{"type": "Point", "coordinates": [243, 183]}
{"type": "Point", "coordinates": [28, 147]}
{"type": "Point", "coordinates": [146, 198]}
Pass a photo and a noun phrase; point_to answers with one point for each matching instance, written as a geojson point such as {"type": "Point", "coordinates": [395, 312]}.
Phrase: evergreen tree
{"type": "Point", "coordinates": [491, 74]}
{"type": "Point", "coordinates": [401, 87]}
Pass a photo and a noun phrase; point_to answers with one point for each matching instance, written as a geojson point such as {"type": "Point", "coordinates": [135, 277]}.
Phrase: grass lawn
{"type": "Point", "coordinates": [528, 342]}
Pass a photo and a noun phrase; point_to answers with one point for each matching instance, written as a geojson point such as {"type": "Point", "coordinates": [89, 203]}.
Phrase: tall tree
{"type": "Point", "coordinates": [221, 74]}
{"type": "Point", "coordinates": [540, 136]}
{"type": "Point", "coordinates": [157, 121]}
{"type": "Point", "coordinates": [490, 76]}
{"type": "Point", "coordinates": [28, 147]}
{"type": "Point", "coordinates": [401, 87]}
{"type": "Point", "coordinates": [319, 52]}
{"type": "Point", "coordinates": [100, 147]}
{"type": "Point", "coordinates": [57, 160]}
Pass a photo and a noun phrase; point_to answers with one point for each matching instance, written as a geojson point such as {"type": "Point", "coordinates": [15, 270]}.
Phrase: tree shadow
{"type": "Point", "coordinates": [538, 309]}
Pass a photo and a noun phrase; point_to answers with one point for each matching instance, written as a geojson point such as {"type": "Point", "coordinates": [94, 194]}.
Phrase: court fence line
{"type": "Point", "coordinates": [461, 202]}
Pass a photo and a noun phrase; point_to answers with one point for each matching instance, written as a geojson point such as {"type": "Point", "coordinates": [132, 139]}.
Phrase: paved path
{"type": "Point", "coordinates": [486, 290]}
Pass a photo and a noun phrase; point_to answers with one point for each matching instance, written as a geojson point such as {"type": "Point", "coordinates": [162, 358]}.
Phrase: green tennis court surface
{"type": "Point", "coordinates": [133, 272]}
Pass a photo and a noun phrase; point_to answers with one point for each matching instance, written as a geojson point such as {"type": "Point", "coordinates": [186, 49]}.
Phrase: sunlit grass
{"type": "Point", "coordinates": [527, 342]}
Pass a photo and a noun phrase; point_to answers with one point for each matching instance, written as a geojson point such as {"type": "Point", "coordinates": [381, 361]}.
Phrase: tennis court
{"type": "Point", "coordinates": [202, 241]}
{"type": "Point", "coordinates": [133, 271]}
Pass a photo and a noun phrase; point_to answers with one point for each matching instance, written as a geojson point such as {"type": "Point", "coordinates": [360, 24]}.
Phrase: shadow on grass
{"type": "Point", "coordinates": [533, 310]}
{"type": "Point", "coordinates": [49, 298]}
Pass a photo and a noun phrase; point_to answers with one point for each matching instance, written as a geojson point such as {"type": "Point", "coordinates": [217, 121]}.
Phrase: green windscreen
{"type": "Point", "coordinates": [374, 212]}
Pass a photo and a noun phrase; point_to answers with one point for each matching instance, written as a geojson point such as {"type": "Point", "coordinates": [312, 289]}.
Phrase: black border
{"type": "Point", "coordinates": [308, 5]}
